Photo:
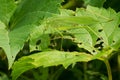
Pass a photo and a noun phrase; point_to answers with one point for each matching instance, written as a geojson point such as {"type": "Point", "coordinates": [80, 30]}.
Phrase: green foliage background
{"type": "Point", "coordinates": [59, 40]}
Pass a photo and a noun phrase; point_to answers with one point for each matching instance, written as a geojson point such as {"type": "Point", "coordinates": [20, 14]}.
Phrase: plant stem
{"type": "Point", "coordinates": [85, 69]}
{"type": "Point", "coordinates": [108, 69]}
{"type": "Point", "coordinates": [69, 4]}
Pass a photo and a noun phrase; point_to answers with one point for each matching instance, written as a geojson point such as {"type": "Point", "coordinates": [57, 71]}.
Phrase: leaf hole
{"type": "Point", "coordinates": [38, 42]}
{"type": "Point", "coordinates": [98, 39]}
{"type": "Point", "coordinates": [36, 47]}
{"type": "Point", "coordinates": [100, 30]}
{"type": "Point", "coordinates": [93, 51]}
{"type": "Point", "coordinates": [96, 46]}
{"type": "Point", "coordinates": [64, 31]}
{"type": "Point", "coordinates": [99, 46]}
{"type": "Point", "coordinates": [119, 26]}
{"type": "Point", "coordinates": [113, 41]}
{"type": "Point", "coordinates": [80, 43]}
{"type": "Point", "coordinates": [101, 43]}
{"type": "Point", "coordinates": [76, 55]}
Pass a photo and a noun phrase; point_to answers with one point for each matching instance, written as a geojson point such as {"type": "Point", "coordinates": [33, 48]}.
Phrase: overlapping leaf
{"type": "Point", "coordinates": [39, 39]}
{"type": "Point", "coordinates": [109, 21]}
{"type": "Point", "coordinates": [28, 14]}
{"type": "Point", "coordinates": [98, 33]}
{"type": "Point", "coordinates": [48, 58]}
{"type": "Point", "coordinates": [7, 8]}
{"type": "Point", "coordinates": [96, 3]}
{"type": "Point", "coordinates": [102, 26]}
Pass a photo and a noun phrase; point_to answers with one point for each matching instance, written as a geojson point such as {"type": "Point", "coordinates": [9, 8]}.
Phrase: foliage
{"type": "Point", "coordinates": [39, 34]}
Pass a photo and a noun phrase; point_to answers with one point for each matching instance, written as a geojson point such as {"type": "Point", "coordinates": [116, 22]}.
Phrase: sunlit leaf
{"type": "Point", "coordinates": [100, 32]}
{"type": "Point", "coordinates": [48, 58]}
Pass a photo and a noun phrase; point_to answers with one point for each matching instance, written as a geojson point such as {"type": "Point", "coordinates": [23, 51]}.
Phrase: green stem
{"type": "Point", "coordinates": [85, 69]}
{"type": "Point", "coordinates": [108, 69]}
{"type": "Point", "coordinates": [69, 4]}
{"type": "Point", "coordinates": [119, 62]}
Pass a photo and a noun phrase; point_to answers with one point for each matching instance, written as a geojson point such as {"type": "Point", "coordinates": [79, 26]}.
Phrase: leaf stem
{"type": "Point", "coordinates": [108, 69]}
{"type": "Point", "coordinates": [85, 68]}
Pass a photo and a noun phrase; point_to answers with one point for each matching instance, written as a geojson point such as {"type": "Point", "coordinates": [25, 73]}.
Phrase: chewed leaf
{"type": "Point", "coordinates": [94, 28]}
{"type": "Point", "coordinates": [48, 58]}
{"type": "Point", "coordinates": [83, 38]}
{"type": "Point", "coordinates": [108, 18]}
{"type": "Point", "coordinates": [114, 39]}
{"type": "Point", "coordinates": [102, 31]}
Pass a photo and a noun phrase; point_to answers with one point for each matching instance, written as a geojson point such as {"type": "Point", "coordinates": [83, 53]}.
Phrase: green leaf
{"type": "Point", "coordinates": [27, 15]}
{"type": "Point", "coordinates": [83, 38]}
{"type": "Point", "coordinates": [104, 54]}
{"type": "Point", "coordinates": [39, 39]}
{"type": "Point", "coordinates": [96, 3]}
{"type": "Point", "coordinates": [4, 42]}
{"type": "Point", "coordinates": [68, 12]}
{"type": "Point", "coordinates": [33, 11]}
{"type": "Point", "coordinates": [108, 23]}
{"type": "Point", "coordinates": [47, 58]}
{"type": "Point", "coordinates": [114, 39]}
{"type": "Point", "coordinates": [101, 33]}
{"type": "Point", "coordinates": [7, 8]}
{"type": "Point", "coordinates": [108, 18]}
{"type": "Point", "coordinates": [76, 20]}
{"type": "Point", "coordinates": [3, 76]}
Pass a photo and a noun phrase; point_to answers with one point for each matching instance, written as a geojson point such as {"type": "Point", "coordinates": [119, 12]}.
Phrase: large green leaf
{"type": "Point", "coordinates": [33, 11]}
{"type": "Point", "coordinates": [109, 22]}
{"type": "Point", "coordinates": [27, 15]}
{"type": "Point", "coordinates": [100, 33]}
{"type": "Point", "coordinates": [48, 58]}
{"type": "Point", "coordinates": [108, 19]}
{"type": "Point", "coordinates": [41, 33]}
{"type": "Point", "coordinates": [7, 8]}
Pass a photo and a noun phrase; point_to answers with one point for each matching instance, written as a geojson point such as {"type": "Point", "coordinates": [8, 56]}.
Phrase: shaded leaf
{"type": "Point", "coordinates": [3, 76]}
{"type": "Point", "coordinates": [96, 3]}
{"type": "Point", "coordinates": [7, 8]}
{"type": "Point", "coordinates": [33, 11]}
